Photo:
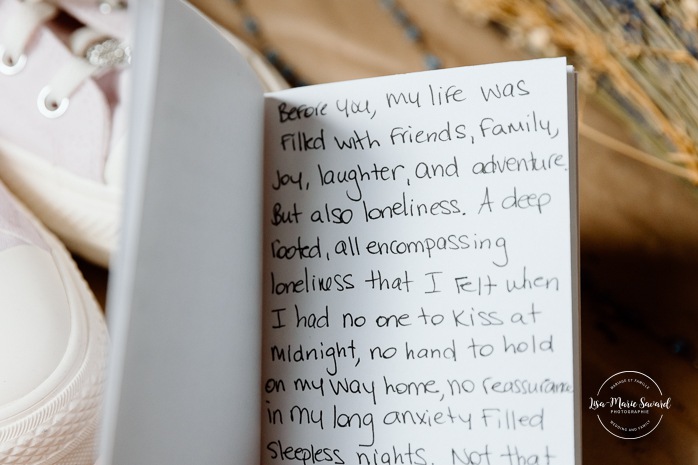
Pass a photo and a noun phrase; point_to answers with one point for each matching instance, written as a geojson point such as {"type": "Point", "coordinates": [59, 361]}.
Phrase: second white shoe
{"type": "Point", "coordinates": [52, 347]}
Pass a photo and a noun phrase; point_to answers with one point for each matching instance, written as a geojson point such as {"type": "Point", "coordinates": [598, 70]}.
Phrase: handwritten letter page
{"type": "Point", "coordinates": [418, 270]}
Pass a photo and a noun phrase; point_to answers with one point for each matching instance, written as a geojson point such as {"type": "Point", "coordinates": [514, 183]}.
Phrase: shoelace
{"type": "Point", "coordinates": [17, 32]}
{"type": "Point", "coordinates": [93, 53]}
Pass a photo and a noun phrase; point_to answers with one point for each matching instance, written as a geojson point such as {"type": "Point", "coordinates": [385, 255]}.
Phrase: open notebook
{"type": "Point", "coordinates": [381, 271]}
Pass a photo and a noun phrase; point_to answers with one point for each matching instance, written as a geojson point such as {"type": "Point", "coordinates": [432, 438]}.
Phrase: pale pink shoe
{"type": "Point", "coordinates": [52, 347]}
{"type": "Point", "coordinates": [63, 120]}
{"type": "Point", "coordinates": [62, 123]}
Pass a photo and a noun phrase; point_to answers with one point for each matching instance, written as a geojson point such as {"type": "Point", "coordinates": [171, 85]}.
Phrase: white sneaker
{"type": "Point", "coordinates": [62, 128]}
{"type": "Point", "coordinates": [52, 347]}
{"type": "Point", "coordinates": [63, 122]}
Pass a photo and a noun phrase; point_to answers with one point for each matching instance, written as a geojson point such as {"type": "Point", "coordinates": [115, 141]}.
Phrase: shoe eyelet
{"type": "Point", "coordinates": [10, 66]}
{"type": "Point", "coordinates": [51, 109]}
